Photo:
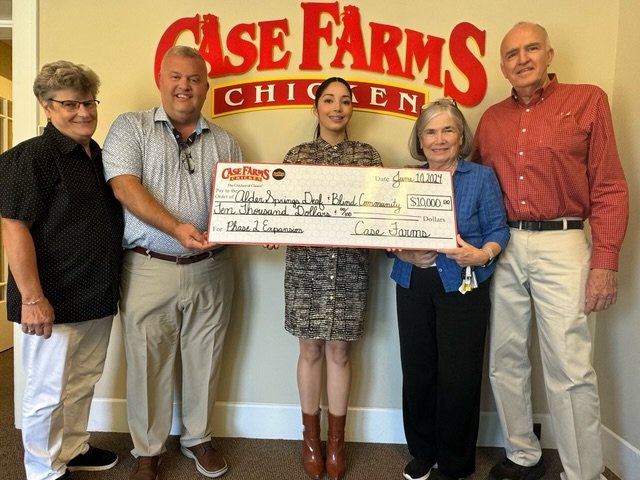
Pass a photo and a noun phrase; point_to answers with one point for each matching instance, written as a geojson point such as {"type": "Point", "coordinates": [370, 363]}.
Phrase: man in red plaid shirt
{"type": "Point", "coordinates": [553, 149]}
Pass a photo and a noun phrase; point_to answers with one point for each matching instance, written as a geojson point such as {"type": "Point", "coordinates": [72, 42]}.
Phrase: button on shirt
{"type": "Point", "coordinates": [143, 144]}
{"type": "Point", "coordinates": [557, 157]}
{"type": "Point", "coordinates": [75, 221]}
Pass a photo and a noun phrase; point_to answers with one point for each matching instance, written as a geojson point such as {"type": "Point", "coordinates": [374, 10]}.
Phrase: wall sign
{"type": "Point", "coordinates": [338, 38]}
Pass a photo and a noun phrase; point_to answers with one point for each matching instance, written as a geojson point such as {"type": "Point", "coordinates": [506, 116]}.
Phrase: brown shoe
{"type": "Point", "coordinates": [209, 462]}
{"type": "Point", "coordinates": [336, 463]}
{"type": "Point", "coordinates": [145, 468]}
{"type": "Point", "coordinates": [312, 460]}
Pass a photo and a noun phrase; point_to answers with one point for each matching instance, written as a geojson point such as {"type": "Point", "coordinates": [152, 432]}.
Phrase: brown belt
{"type": "Point", "coordinates": [198, 257]}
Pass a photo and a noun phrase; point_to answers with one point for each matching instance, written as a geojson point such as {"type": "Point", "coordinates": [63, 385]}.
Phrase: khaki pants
{"type": "Point", "coordinates": [548, 270]}
{"type": "Point", "coordinates": [173, 313]}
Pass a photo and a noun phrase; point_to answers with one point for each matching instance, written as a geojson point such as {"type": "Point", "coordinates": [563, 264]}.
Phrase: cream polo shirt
{"type": "Point", "coordinates": [143, 144]}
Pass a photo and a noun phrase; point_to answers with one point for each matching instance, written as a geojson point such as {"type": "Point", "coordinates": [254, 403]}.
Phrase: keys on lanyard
{"type": "Point", "coordinates": [469, 281]}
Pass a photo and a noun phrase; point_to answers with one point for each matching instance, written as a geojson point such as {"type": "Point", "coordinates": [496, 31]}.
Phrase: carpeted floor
{"type": "Point", "coordinates": [249, 459]}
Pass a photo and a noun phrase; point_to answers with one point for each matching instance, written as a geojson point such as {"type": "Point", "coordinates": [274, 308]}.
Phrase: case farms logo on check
{"type": "Point", "coordinates": [245, 173]}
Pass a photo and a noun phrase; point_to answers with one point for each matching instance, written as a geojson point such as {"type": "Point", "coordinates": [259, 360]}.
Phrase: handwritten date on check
{"type": "Point", "coordinates": [322, 205]}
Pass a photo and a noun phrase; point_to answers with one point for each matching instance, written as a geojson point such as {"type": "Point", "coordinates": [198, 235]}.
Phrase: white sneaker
{"type": "Point", "coordinates": [416, 469]}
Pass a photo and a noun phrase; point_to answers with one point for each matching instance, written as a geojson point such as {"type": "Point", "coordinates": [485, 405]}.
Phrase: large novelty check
{"type": "Point", "coordinates": [332, 205]}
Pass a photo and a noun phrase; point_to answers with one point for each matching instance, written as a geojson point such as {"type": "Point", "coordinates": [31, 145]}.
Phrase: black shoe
{"type": "Point", "coordinates": [95, 460]}
{"type": "Point", "coordinates": [438, 475]}
{"type": "Point", "coordinates": [66, 476]}
{"type": "Point", "coordinates": [417, 469]}
{"type": "Point", "coordinates": [508, 470]}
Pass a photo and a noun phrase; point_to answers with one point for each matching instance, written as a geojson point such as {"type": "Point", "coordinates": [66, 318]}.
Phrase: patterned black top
{"type": "Point", "coordinates": [75, 221]}
{"type": "Point", "coordinates": [326, 288]}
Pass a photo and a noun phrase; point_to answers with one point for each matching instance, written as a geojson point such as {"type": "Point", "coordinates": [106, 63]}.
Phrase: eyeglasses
{"type": "Point", "coordinates": [443, 102]}
{"type": "Point", "coordinates": [185, 157]}
{"type": "Point", "coordinates": [74, 105]}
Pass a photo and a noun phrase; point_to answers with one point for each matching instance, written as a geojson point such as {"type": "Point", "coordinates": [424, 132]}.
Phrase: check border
{"type": "Point", "coordinates": [332, 205]}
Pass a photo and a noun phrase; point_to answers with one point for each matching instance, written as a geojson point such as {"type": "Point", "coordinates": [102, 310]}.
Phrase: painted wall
{"type": "Point", "coordinates": [617, 354]}
{"type": "Point", "coordinates": [259, 365]}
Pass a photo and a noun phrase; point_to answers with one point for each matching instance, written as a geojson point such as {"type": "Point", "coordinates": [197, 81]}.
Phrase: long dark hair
{"type": "Point", "coordinates": [320, 90]}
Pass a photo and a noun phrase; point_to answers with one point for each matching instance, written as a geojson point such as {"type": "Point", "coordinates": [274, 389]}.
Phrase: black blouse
{"type": "Point", "coordinates": [76, 223]}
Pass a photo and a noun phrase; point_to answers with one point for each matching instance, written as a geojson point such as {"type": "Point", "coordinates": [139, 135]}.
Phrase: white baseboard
{"type": "Point", "coordinates": [369, 425]}
{"type": "Point", "coordinates": [259, 420]}
{"type": "Point", "coordinates": [282, 421]}
{"type": "Point", "coordinates": [490, 434]}
{"type": "Point", "coordinates": [108, 415]}
{"type": "Point", "coordinates": [620, 456]}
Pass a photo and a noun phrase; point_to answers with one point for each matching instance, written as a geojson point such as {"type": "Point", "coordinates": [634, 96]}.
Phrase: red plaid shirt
{"type": "Point", "coordinates": [557, 157]}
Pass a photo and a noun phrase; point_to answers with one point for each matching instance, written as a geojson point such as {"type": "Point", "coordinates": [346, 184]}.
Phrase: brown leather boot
{"type": "Point", "coordinates": [336, 464]}
{"type": "Point", "coordinates": [311, 452]}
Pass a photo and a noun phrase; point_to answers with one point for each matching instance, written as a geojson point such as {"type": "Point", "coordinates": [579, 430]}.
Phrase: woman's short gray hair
{"type": "Point", "coordinates": [61, 75]}
{"type": "Point", "coordinates": [428, 112]}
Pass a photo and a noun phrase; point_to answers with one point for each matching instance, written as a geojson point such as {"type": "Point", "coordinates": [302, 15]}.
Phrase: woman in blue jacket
{"type": "Point", "coordinates": [443, 304]}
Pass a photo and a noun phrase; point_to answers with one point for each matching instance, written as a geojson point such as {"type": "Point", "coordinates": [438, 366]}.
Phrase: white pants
{"type": "Point", "coordinates": [173, 313]}
{"type": "Point", "coordinates": [60, 376]}
{"type": "Point", "coordinates": [549, 269]}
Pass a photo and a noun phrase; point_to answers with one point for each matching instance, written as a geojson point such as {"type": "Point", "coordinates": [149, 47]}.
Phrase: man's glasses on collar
{"type": "Point", "coordinates": [185, 157]}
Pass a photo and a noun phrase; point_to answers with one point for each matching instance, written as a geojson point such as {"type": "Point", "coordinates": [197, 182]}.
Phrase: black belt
{"type": "Point", "coordinates": [179, 260]}
{"type": "Point", "coordinates": [538, 226]}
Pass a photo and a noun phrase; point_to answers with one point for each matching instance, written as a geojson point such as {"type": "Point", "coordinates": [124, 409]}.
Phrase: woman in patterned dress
{"type": "Point", "coordinates": [326, 290]}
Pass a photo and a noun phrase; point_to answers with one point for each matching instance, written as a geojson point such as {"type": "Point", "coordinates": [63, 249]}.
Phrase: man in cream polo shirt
{"type": "Point", "coordinates": [176, 288]}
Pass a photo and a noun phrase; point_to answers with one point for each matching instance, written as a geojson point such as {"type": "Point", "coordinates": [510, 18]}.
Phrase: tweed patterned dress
{"type": "Point", "coordinates": [326, 288]}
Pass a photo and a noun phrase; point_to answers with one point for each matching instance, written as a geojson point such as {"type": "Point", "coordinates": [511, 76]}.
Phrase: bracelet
{"type": "Point", "coordinates": [31, 303]}
{"type": "Point", "coordinates": [491, 255]}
